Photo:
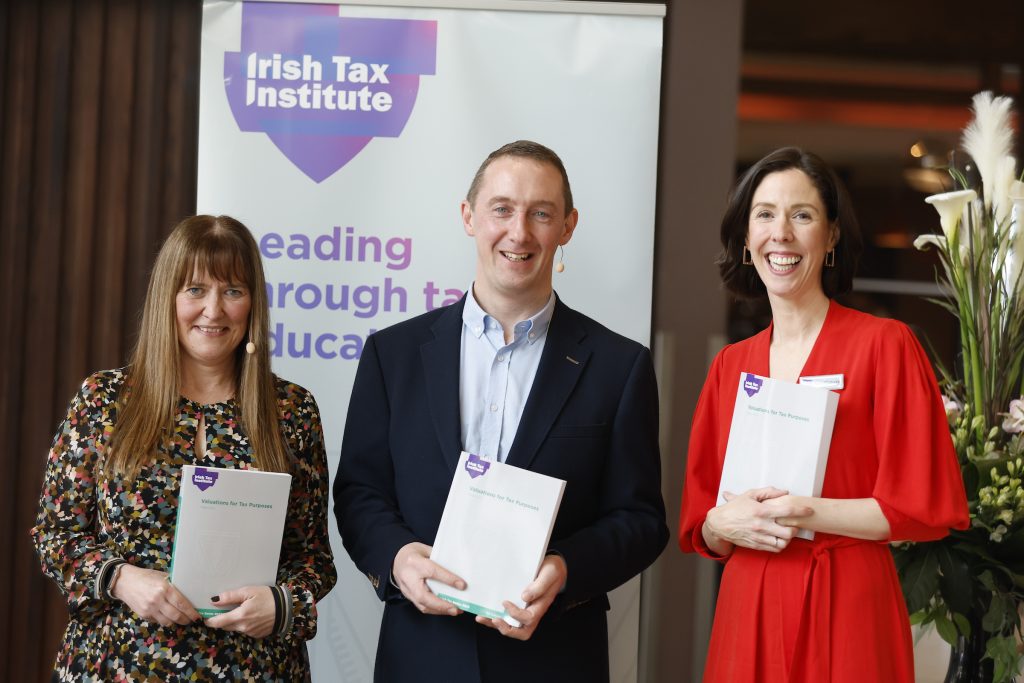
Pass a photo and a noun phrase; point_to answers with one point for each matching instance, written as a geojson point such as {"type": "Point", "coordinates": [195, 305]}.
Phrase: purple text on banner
{"type": "Point", "coordinates": [322, 86]}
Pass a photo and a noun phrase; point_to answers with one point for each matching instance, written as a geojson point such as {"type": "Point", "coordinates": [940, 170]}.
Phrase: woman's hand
{"type": "Point", "coordinates": [854, 517]}
{"type": "Point", "coordinates": [751, 519]}
{"type": "Point", "coordinates": [150, 595]}
{"type": "Point", "coordinates": [254, 615]}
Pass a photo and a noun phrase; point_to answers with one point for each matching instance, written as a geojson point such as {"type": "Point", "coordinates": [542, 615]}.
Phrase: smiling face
{"type": "Point", "coordinates": [788, 235]}
{"type": "Point", "coordinates": [518, 220]}
{"type": "Point", "coordinates": [212, 320]}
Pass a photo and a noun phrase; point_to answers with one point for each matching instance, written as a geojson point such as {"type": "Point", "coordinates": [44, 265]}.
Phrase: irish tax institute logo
{"type": "Point", "coordinates": [752, 384]}
{"type": "Point", "coordinates": [322, 86]}
{"type": "Point", "coordinates": [204, 478]}
{"type": "Point", "coordinates": [476, 466]}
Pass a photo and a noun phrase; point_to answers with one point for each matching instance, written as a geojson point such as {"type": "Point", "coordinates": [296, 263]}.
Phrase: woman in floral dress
{"type": "Point", "coordinates": [198, 391]}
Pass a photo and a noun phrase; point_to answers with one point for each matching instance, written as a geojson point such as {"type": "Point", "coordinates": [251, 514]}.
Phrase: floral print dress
{"type": "Point", "coordinates": [85, 519]}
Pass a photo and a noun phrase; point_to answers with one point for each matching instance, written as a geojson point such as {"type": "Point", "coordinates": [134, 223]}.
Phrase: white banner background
{"type": "Point", "coordinates": [586, 85]}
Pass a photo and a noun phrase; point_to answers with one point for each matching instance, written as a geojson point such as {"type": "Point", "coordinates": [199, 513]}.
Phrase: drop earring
{"type": "Point", "coordinates": [250, 348]}
{"type": "Point", "coordinates": [748, 259]}
{"type": "Point", "coordinates": [830, 258]}
{"type": "Point", "coordinates": [560, 267]}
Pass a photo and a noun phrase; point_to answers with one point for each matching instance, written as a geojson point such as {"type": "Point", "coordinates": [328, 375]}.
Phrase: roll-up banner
{"type": "Point", "coordinates": [345, 137]}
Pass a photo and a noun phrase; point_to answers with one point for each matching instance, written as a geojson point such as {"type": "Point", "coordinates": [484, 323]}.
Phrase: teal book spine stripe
{"type": "Point", "coordinates": [473, 607]}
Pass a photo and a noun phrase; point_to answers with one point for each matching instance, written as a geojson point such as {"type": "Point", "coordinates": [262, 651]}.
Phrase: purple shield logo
{"type": "Point", "coordinates": [322, 86]}
{"type": "Point", "coordinates": [204, 478]}
{"type": "Point", "coordinates": [752, 384]}
{"type": "Point", "coordinates": [476, 466]}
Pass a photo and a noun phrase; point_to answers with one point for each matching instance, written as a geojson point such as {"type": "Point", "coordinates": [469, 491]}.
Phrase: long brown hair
{"type": "Point", "coordinates": [226, 250]}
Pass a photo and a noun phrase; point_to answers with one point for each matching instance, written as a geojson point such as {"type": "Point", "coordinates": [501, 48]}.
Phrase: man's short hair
{"type": "Point", "coordinates": [525, 149]}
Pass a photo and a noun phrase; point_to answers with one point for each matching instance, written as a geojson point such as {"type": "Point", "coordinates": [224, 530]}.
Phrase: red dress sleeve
{"type": "Point", "coordinates": [919, 486]}
{"type": "Point", "coordinates": [703, 464]}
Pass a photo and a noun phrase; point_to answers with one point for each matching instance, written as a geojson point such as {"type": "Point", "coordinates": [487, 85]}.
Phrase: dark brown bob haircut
{"type": "Point", "coordinates": [743, 281]}
{"type": "Point", "coordinates": [525, 149]}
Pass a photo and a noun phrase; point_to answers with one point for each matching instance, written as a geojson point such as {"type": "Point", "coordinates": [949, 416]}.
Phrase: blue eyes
{"type": "Point", "coordinates": [505, 211]}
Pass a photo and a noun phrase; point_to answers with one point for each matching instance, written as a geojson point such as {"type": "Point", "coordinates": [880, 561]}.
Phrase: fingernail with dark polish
{"type": "Point", "coordinates": [215, 598]}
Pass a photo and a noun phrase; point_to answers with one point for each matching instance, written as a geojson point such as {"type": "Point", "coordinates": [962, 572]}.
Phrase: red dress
{"type": "Point", "coordinates": [830, 609]}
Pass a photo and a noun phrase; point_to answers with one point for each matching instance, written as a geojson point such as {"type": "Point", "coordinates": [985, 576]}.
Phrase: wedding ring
{"type": "Point", "coordinates": [775, 540]}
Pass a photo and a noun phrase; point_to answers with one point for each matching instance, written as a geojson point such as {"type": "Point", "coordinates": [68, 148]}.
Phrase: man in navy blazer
{"type": "Point", "coordinates": [511, 373]}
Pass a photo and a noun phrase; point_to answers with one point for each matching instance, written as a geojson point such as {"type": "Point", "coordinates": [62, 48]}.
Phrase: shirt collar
{"type": "Point", "coordinates": [476, 319]}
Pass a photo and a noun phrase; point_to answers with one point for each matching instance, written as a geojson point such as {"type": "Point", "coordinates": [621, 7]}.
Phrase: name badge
{"type": "Point", "coordinates": [823, 381]}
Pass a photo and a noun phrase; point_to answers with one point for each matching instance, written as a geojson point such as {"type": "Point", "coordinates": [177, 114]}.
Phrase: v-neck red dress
{"type": "Point", "coordinates": [830, 609]}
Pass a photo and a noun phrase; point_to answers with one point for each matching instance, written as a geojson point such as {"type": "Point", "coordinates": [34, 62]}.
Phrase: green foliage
{"type": "Point", "coordinates": [920, 579]}
{"type": "Point", "coordinates": [975, 578]}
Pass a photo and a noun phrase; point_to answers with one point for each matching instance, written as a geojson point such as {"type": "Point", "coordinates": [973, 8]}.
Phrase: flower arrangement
{"type": "Point", "coordinates": [970, 585]}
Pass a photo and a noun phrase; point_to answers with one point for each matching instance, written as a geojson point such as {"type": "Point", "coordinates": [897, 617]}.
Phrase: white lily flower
{"type": "Point", "coordinates": [1015, 259]}
{"type": "Point", "coordinates": [1015, 256]}
{"type": "Point", "coordinates": [950, 206]}
{"type": "Point", "coordinates": [924, 241]}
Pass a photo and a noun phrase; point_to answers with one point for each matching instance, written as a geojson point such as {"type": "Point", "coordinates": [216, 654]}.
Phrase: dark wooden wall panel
{"type": "Point", "coordinates": [15, 207]}
{"type": "Point", "coordinates": [98, 135]}
{"type": "Point", "coordinates": [83, 157]}
{"type": "Point", "coordinates": [40, 285]}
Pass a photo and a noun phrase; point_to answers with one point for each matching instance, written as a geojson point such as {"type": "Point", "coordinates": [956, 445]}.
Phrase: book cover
{"type": "Point", "coordinates": [228, 534]}
{"type": "Point", "coordinates": [779, 436]}
{"type": "Point", "coordinates": [494, 532]}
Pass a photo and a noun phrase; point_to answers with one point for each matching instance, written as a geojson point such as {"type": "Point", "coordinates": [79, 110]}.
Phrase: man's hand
{"type": "Point", "coordinates": [538, 597]}
{"type": "Point", "coordinates": [150, 595]}
{"type": "Point", "coordinates": [411, 569]}
{"type": "Point", "coordinates": [254, 615]}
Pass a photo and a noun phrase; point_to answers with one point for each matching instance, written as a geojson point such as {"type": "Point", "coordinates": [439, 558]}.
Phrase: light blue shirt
{"type": "Point", "coordinates": [495, 377]}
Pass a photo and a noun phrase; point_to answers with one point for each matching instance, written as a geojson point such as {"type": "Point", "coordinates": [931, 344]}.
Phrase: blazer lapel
{"type": "Point", "coordinates": [561, 365]}
{"type": "Point", "coordinates": [440, 358]}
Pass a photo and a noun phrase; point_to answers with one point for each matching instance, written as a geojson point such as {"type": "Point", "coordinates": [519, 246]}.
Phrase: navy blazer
{"type": "Point", "coordinates": [591, 419]}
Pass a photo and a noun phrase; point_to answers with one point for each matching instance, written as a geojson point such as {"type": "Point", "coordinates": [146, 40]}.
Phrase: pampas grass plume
{"type": "Point", "coordinates": [989, 140]}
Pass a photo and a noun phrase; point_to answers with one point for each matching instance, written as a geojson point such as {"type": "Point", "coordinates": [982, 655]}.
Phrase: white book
{"type": "Point", "coordinates": [494, 532]}
{"type": "Point", "coordinates": [780, 436]}
{"type": "Point", "coordinates": [228, 534]}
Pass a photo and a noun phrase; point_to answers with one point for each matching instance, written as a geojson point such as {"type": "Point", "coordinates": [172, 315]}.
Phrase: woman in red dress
{"type": "Point", "coordinates": [830, 609]}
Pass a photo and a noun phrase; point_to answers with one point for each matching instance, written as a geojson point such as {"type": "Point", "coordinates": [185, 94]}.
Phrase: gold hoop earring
{"type": "Point", "coordinates": [830, 258]}
{"type": "Point", "coordinates": [748, 259]}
